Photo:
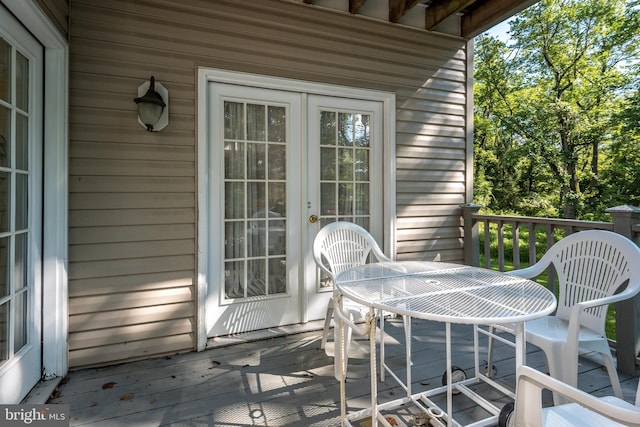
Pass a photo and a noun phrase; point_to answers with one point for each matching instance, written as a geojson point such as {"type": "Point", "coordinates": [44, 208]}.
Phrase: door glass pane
{"type": "Point", "coordinates": [345, 129]}
{"type": "Point", "coordinates": [255, 241]}
{"type": "Point", "coordinates": [256, 161]}
{"type": "Point", "coordinates": [277, 121]}
{"type": "Point", "coordinates": [5, 201]}
{"type": "Point", "coordinates": [22, 201]}
{"type": "Point", "coordinates": [345, 165]}
{"type": "Point", "coordinates": [277, 165]}
{"type": "Point", "coordinates": [22, 142]}
{"type": "Point", "coordinates": [5, 70]}
{"type": "Point", "coordinates": [234, 200]}
{"type": "Point", "coordinates": [277, 275]}
{"type": "Point", "coordinates": [20, 265]}
{"type": "Point", "coordinates": [362, 199]}
{"type": "Point", "coordinates": [234, 160]}
{"type": "Point", "coordinates": [362, 165]}
{"type": "Point", "coordinates": [256, 284]}
{"type": "Point", "coordinates": [233, 120]}
{"type": "Point", "coordinates": [276, 225]}
{"type": "Point", "coordinates": [4, 331]}
{"type": "Point", "coordinates": [22, 82]}
{"type": "Point", "coordinates": [256, 199]}
{"type": "Point", "coordinates": [4, 263]}
{"type": "Point", "coordinates": [327, 164]}
{"type": "Point", "coordinates": [234, 279]}
{"type": "Point", "coordinates": [327, 128]}
{"type": "Point", "coordinates": [328, 199]}
{"type": "Point", "coordinates": [5, 136]}
{"type": "Point", "coordinates": [234, 240]}
{"type": "Point", "coordinates": [361, 129]}
{"type": "Point", "coordinates": [345, 199]}
{"type": "Point", "coordinates": [276, 235]}
{"type": "Point", "coordinates": [257, 238]}
{"type": "Point", "coordinates": [277, 200]}
{"type": "Point", "coordinates": [20, 325]}
{"type": "Point", "coordinates": [256, 122]}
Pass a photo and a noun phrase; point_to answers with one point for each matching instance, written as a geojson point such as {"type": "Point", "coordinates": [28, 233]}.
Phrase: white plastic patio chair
{"type": "Point", "coordinates": [584, 410]}
{"type": "Point", "coordinates": [591, 267]}
{"type": "Point", "coordinates": [337, 247]}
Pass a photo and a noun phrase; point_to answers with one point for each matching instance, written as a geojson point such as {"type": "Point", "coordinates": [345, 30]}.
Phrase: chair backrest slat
{"type": "Point", "coordinates": [342, 245]}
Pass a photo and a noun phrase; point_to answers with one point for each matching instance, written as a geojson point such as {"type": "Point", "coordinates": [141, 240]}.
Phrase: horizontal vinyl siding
{"type": "Point", "coordinates": [132, 255]}
{"type": "Point", "coordinates": [431, 173]}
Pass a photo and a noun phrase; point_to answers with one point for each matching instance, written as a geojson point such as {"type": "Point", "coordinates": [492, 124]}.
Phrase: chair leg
{"type": "Point", "coordinates": [406, 320]}
{"type": "Point", "coordinates": [346, 334]}
{"type": "Point", "coordinates": [562, 366]}
{"type": "Point", "coordinates": [492, 330]}
{"type": "Point", "coordinates": [327, 324]}
{"type": "Point", "coordinates": [383, 371]}
{"type": "Point", "coordinates": [613, 374]}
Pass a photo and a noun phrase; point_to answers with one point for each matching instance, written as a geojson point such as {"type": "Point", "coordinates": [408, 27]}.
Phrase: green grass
{"type": "Point", "coordinates": [523, 249]}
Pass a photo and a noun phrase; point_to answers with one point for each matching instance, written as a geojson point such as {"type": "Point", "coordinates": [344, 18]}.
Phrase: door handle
{"type": "Point", "coordinates": [313, 219]}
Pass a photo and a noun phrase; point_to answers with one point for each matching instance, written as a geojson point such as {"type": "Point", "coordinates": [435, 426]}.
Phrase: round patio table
{"type": "Point", "coordinates": [447, 293]}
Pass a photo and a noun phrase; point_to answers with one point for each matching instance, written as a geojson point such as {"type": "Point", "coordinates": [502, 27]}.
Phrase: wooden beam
{"type": "Point", "coordinates": [491, 13]}
{"type": "Point", "coordinates": [397, 8]}
{"type": "Point", "coordinates": [355, 5]}
{"type": "Point", "coordinates": [440, 10]}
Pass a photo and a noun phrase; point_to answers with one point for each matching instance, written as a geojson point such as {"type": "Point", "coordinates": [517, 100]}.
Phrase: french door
{"type": "Point", "coordinates": [277, 161]}
{"type": "Point", "coordinates": [254, 148]}
{"type": "Point", "coordinates": [345, 176]}
{"type": "Point", "coordinates": [20, 209]}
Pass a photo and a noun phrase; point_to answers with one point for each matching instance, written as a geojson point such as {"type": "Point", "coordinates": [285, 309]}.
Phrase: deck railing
{"type": "Point", "coordinates": [516, 241]}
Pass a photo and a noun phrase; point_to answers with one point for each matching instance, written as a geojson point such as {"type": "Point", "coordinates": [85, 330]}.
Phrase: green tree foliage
{"type": "Point", "coordinates": [555, 113]}
{"type": "Point", "coordinates": [621, 165]}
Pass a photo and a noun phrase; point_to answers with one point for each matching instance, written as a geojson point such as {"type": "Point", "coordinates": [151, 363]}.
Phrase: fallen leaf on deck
{"type": "Point", "coordinates": [110, 384]}
{"type": "Point", "coordinates": [56, 394]}
{"type": "Point", "coordinates": [391, 421]}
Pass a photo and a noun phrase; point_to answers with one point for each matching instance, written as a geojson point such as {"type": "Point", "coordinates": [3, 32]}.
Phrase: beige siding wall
{"type": "Point", "coordinates": [58, 13]}
{"type": "Point", "coordinates": [132, 257]}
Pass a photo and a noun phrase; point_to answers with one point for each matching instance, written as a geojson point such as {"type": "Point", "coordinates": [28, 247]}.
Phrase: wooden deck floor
{"type": "Point", "coordinates": [280, 381]}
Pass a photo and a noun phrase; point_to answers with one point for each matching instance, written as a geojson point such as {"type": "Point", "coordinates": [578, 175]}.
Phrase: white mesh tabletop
{"type": "Point", "coordinates": [446, 292]}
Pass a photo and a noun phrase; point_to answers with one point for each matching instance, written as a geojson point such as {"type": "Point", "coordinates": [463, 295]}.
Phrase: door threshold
{"type": "Point", "coordinates": [261, 334]}
{"type": "Point", "coordinates": [42, 391]}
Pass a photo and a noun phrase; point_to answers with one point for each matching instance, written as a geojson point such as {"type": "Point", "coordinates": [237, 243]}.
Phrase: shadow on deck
{"type": "Point", "coordinates": [284, 381]}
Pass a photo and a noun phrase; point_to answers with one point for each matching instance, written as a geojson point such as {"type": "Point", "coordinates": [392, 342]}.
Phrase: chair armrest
{"type": "Point", "coordinates": [578, 308]}
{"type": "Point", "coordinates": [629, 292]}
{"type": "Point", "coordinates": [528, 410]}
{"type": "Point", "coordinates": [530, 272]}
{"type": "Point", "coordinates": [348, 322]}
{"type": "Point", "coordinates": [321, 265]}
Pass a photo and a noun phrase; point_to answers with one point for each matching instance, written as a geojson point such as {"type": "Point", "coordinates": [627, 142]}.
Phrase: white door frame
{"type": "Point", "coordinates": [206, 75]}
{"type": "Point", "coordinates": [55, 212]}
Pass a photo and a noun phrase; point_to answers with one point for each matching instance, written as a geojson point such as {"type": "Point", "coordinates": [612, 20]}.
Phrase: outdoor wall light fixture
{"type": "Point", "coordinates": [153, 105]}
